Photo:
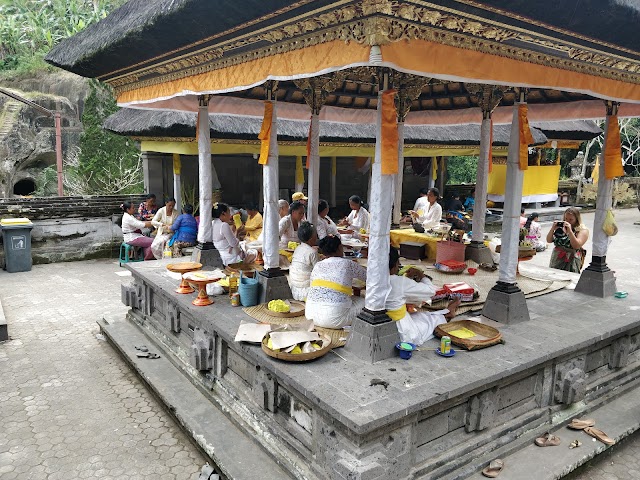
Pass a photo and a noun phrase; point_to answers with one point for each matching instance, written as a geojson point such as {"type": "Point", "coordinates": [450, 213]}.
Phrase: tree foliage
{"type": "Point", "coordinates": [462, 169]}
{"type": "Point", "coordinates": [30, 28]}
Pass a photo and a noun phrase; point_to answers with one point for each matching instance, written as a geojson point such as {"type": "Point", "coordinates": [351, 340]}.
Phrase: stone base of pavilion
{"type": "Point", "coordinates": [430, 417]}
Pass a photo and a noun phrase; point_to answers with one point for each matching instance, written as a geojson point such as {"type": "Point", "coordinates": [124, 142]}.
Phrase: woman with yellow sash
{"type": "Point", "coordinates": [330, 300]}
{"type": "Point", "coordinates": [415, 327]}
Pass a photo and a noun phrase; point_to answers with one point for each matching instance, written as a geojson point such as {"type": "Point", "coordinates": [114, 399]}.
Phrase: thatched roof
{"type": "Point", "coordinates": [142, 29]}
{"type": "Point", "coordinates": [148, 123]}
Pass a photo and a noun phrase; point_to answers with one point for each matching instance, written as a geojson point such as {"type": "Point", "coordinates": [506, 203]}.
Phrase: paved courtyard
{"type": "Point", "coordinates": [70, 408]}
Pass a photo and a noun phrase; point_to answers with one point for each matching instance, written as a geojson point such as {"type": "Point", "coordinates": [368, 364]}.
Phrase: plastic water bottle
{"type": "Point", "coordinates": [166, 253]}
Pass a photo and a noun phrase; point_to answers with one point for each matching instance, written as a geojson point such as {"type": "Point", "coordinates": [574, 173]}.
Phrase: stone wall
{"type": "Point", "coordinates": [70, 228]}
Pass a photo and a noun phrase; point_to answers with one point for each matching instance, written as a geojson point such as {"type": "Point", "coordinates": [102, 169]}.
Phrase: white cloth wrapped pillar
{"type": "Point", "coordinates": [271, 187]}
{"type": "Point", "coordinates": [205, 188]}
{"type": "Point", "coordinates": [333, 187]}
{"type": "Point", "coordinates": [378, 284]}
{"type": "Point", "coordinates": [177, 186]}
{"type": "Point", "coordinates": [397, 198]}
{"type": "Point", "coordinates": [482, 180]}
{"type": "Point", "coordinates": [314, 169]}
{"type": "Point", "coordinates": [299, 174]}
{"type": "Point", "coordinates": [512, 204]}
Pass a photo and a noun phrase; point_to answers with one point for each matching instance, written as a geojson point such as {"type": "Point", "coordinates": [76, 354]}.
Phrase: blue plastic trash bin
{"type": "Point", "coordinates": [16, 238]}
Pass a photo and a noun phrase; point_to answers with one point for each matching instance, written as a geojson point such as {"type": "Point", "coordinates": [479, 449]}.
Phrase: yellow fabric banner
{"type": "Point", "coordinates": [491, 146]}
{"type": "Point", "coordinates": [177, 164]}
{"type": "Point", "coordinates": [596, 171]}
{"type": "Point", "coordinates": [537, 180]}
{"type": "Point", "coordinates": [613, 151]}
{"type": "Point", "coordinates": [389, 133]}
{"type": "Point", "coordinates": [525, 136]}
{"type": "Point", "coordinates": [434, 168]}
{"type": "Point", "coordinates": [265, 133]}
{"type": "Point", "coordinates": [299, 171]}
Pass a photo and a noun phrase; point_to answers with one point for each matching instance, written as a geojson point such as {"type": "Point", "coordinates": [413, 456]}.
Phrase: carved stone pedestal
{"type": "Point", "coordinates": [373, 336]}
{"type": "Point", "coordinates": [477, 252]}
{"type": "Point", "coordinates": [506, 304]}
{"type": "Point", "coordinates": [273, 285]}
{"type": "Point", "coordinates": [207, 255]}
{"type": "Point", "coordinates": [597, 279]}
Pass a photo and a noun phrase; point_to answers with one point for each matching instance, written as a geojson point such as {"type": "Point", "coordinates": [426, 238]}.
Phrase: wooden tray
{"type": "Point", "coordinates": [184, 267]}
{"type": "Point", "coordinates": [297, 310]}
{"type": "Point", "coordinates": [486, 336]}
{"type": "Point", "coordinates": [301, 357]}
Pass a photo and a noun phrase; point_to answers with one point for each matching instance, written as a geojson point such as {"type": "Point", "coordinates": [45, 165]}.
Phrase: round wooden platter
{"type": "Point", "coordinates": [300, 357]}
{"type": "Point", "coordinates": [184, 267]}
{"type": "Point", "coordinates": [297, 310]}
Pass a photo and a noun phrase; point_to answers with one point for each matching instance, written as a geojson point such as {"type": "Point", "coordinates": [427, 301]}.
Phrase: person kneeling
{"type": "Point", "coordinates": [416, 327]}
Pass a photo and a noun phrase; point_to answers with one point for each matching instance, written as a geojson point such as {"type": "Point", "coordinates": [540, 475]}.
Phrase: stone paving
{"type": "Point", "coordinates": [69, 406]}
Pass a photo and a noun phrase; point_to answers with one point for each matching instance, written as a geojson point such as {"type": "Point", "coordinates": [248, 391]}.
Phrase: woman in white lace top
{"type": "Point", "coordinates": [359, 217]}
{"type": "Point", "coordinates": [325, 224]}
{"type": "Point", "coordinates": [330, 302]}
{"type": "Point", "coordinates": [304, 259]}
{"type": "Point", "coordinates": [431, 214]}
{"type": "Point", "coordinates": [224, 239]}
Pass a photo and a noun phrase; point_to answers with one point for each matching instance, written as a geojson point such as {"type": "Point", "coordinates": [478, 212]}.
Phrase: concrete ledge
{"type": "Point", "coordinates": [618, 418]}
{"type": "Point", "coordinates": [232, 451]}
{"type": "Point", "coordinates": [4, 328]}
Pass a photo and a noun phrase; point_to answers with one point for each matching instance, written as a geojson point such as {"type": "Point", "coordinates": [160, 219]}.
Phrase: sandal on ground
{"type": "Point", "coordinates": [581, 423]}
{"type": "Point", "coordinates": [547, 440]}
{"type": "Point", "coordinates": [494, 469]}
{"type": "Point", "coordinates": [142, 348]}
{"type": "Point", "coordinates": [147, 355]}
{"type": "Point", "coordinates": [599, 435]}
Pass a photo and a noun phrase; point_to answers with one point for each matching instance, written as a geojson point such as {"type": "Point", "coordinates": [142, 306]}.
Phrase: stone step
{"type": "Point", "coordinates": [619, 418]}
{"type": "Point", "coordinates": [9, 117]}
{"type": "Point", "coordinates": [234, 453]}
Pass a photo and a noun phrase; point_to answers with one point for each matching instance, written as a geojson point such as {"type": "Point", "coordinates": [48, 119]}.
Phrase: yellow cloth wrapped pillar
{"type": "Point", "coordinates": [265, 133]}
{"type": "Point", "coordinates": [612, 150]}
{"type": "Point", "coordinates": [389, 133]}
{"type": "Point", "coordinates": [525, 136]}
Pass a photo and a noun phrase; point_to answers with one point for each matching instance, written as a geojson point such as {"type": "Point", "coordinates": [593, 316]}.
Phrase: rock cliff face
{"type": "Point", "coordinates": [27, 136]}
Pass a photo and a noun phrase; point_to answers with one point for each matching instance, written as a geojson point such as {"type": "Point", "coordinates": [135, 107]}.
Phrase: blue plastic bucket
{"type": "Point", "coordinates": [248, 288]}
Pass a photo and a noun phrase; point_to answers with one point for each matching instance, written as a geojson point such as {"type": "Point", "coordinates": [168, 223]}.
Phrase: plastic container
{"type": "Point", "coordinates": [248, 288]}
{"type": "Point", "coordinates": [16, 237]}
{"type": "Point", "coordinates": [406, 349]}
{"type": "Point", "coordinates": [450, 251]}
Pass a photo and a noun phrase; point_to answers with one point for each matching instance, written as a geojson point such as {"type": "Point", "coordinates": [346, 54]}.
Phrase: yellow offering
{"type": "Point", "coordinates": [279, 306]}
{"type": "Point", "coordinates": [292, 245]}
{"type": "Point", "coordinates": [363, 231]}
{"type": "Point", "coordinates": [462, 333]}
{"type": "Point", "coordinates": [237, 220]}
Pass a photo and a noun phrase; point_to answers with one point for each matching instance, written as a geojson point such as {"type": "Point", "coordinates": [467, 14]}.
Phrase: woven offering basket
{"type": "Point", "coordinates": [486, 336]}
{"type": "Point", "coordinates": [297, 310]}
{"type": "Point", "coordinates": [300, 357]}
{"type": "Point", "coordinates": [338, 336]}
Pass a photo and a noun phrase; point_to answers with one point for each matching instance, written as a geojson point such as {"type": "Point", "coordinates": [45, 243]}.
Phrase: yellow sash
{"type": "Point", "coordinates": [338, 287]}
{"type": "Point", "coordinates": [398, 313]}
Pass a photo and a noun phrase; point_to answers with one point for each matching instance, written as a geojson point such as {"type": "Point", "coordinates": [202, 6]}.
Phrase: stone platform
{"type": "Point", "coordinates": [430, 417]}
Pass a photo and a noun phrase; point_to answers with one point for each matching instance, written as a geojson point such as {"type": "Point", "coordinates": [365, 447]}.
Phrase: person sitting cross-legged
{"type": "Point", "coordinates": [416, 327]}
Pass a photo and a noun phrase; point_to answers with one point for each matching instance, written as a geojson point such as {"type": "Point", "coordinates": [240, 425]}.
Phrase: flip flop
{"type": "Point", "coordinates": [142, 348]}
{"type": "Point", "coordinates": [493, 470]}
{"type": "Point", "coordinates": [147, 355]}
{"type": "Point", "coordinates": [547, 440]}
{"type": "Point", "coordinates": [599, 435]}
{"type": "Point", "coordinates": [581, 423]}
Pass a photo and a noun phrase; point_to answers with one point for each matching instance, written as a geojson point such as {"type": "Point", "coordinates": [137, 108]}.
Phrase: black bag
{"type": "Point", "coordinates": [418, 227]}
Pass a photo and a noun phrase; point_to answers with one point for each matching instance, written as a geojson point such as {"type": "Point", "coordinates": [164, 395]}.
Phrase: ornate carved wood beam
{"type": "Point", "coordinates": [487, 96]}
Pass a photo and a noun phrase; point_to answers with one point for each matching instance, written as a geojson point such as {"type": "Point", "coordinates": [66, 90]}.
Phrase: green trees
{"type": "Point", "coordinates": [30, 28]}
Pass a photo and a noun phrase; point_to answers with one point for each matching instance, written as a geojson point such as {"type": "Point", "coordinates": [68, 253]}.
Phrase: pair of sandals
{"type": "Point", "coordinates": [143, 352]}
{"type": "Point", "coordinates": [549, 440]}
{"type": "Point", "coordinates": [587, 426]}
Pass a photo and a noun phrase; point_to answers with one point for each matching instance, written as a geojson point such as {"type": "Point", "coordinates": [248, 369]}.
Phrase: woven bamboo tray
{"type": "Point", "coordinates": [300, 357]}
{"type": "Point", "coordinates": [486, 336]}
{"type": "Point", "coordinates": [297, 310]}
{"type": "Point", "coordinates": [338, 336]}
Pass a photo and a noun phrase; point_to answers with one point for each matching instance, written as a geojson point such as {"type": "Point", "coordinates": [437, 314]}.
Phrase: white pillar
{"type": "Point", "coordinates": [299, 174]}
{"type": "Point", "coordinates": [177, 186]}
{"type": "Point", "coordinates": [512, 201]}
{"type": "Point", "coordinates": [604, 202]}
{"type": "Point", "coordinates": [482, 180]}
{"type": "Point", "coordinates": [432, 180]}
{"type": "Point", "coordinates": [399, 177]}
{"type": "Point", "coordinates": [314, 169]}
{"type": "Point", "coordinates": [334, 169]}
{"type": "Point", "coordinates": [271, 187]}
{"type": "Point", "coordinates": [378, 284]}
{"type": "Point", "coordinates": [205, 188]}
